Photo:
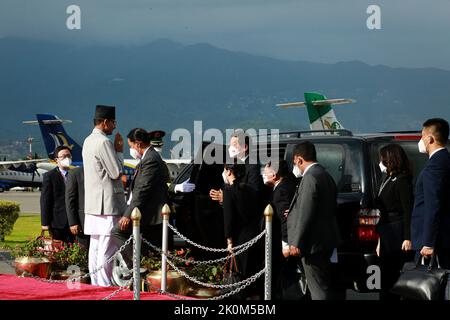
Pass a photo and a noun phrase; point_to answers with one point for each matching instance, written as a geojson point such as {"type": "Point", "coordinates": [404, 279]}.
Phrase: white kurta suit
{"type": "Point", "coordinates": [104, 203]}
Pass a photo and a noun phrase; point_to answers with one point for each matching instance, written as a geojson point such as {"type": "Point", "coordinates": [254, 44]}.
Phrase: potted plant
{"type": "Point", "coordinates": [32, 259]}
{"type": "Point", "coordinates": [67, 256]}
{"type": "Point", "coordinates": [212, 274]}
{"type": "Point", "coordinates": [176, 283]}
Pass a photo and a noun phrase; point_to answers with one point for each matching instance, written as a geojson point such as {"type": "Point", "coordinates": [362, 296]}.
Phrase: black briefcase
{"type": "Point", "coordinates": [421, 282]}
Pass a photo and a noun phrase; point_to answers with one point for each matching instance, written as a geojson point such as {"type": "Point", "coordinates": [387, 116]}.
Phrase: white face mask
{"type": "Point", "coordinates": [233, 151]}
{"type": "Point", "coordinates": [265, 179]}
{"type": "Point", "coordinates": [382, 167]}
{"type": "Point", "coordinates": [421, 145]}
{"type": "Point", "coordinates": [297, 172]}
{"type": "Point", "coordinates": [224, 176]}
{"type": "Point", "coordinates": [66, 162]}
{"type": "Point", "coordinates": [134, 154]}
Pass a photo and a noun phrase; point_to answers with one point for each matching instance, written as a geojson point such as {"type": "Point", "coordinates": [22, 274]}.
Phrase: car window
{"type": "Point", "coordinates": [342, 159]}
{"type": "Point", "coordinates": [185, 173]}
{"type": "Point", "coordinates": [416, 159]}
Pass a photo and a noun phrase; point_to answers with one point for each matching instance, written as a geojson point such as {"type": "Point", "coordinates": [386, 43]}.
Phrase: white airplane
{"type": "Point", "coordinates": [21, 173]}
{"type": "Point", "coordinates": [320, 112]}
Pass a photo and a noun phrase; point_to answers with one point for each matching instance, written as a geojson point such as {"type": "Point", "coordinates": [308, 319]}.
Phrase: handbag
{"type": "Point", "coordinates": [421, 282]}
{"type": "Point", "coordinates": [292, 281]}
{"type": "Point", "coordinates": [231, 275]}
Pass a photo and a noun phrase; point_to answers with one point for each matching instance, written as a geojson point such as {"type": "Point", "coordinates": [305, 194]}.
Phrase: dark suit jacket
{"type": "Point", "coordinates": [254, 180]}
{"type": "Point", "coordinates": [240, 212]}
{"type": "Point", "coordinates": [395, 203]}
{"type": "Point", "coordinates": [281, 199]}
{"type": "Point", "coordinates": [53, 204]}
{"type": "Point", "coordinates": [75, 197]}
{"type": "Point", "coordinates": [253, 176]}
{"type": "Point", "coordinates": [312, 223]}
{"type": "Point", "coordinates": [149, 188]}
{"type": "Point", "coordinates": [431, 213]}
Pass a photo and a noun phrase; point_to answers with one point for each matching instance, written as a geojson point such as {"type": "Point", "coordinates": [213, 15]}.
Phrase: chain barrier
{"type": "Point", "coordinates": [267, 280]}
{"type": "Point", "coordinates": [172, 295]}
{"type": "Point", "coordinates": [239, 249]}
{"type": "Point", "coordinates": [216, 286]}
{"type": "Point", "coordinates": [245, 247]}
{"type": "Point", "coordinates": [207, 248]}
{"type": "Point", "coordinates": [223, 296]}
{"type": "Point", "coordinates": [108, 297]}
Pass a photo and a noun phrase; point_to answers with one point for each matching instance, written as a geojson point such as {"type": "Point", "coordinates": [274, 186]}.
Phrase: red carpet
{"type": "Point", "coordinates": [15, 288]}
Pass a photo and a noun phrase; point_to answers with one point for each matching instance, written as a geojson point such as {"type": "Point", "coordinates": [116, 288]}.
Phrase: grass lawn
{"type": "Point", "coordinates": [27, 226]}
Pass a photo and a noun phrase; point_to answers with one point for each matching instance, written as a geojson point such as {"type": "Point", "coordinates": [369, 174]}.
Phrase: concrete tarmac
{"type": "Point", "coordinates": [28, 200]}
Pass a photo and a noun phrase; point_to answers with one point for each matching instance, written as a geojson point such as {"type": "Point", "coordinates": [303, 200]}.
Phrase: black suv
{"type": "Point", "coordinates": [352, 160]}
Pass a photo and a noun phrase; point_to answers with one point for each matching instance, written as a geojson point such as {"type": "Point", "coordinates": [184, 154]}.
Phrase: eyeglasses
{"type": "Point", "coordinates": [64, 157]}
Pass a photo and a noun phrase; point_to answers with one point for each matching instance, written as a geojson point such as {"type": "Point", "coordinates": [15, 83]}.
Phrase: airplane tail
{"type": "Point", "coordinates": [54, 135]}
{"type": "Point", "coordinates": [321, 114]}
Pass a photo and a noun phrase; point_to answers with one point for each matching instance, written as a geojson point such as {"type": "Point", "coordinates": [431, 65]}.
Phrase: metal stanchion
{"type": "Point", "coordinates": [268, 214]}
{"type": "Point", "coordinates": [165, 214]}
{"type": "Point", "coordinates": [136, 217]}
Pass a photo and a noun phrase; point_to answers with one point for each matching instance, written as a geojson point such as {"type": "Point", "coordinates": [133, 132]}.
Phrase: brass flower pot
{"type": "Point", "coordinates": [64, 275]}
{"type": "Point", "coordinates": [40, 267]}
{"type": "Point", "coordinates": [176, 283]}
{"type": "Point", "coordinates": [203, 292]}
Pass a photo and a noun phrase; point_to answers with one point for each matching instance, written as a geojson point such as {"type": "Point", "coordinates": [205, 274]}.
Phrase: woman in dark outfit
{"type": "Point", "coordinates": [395, 202]}
{"type": "Point", "coordinates": [241, 219]}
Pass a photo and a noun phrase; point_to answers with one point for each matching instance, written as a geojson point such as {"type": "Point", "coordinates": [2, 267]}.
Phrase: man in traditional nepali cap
{"type": "Point", "coordinates": [104, 194]}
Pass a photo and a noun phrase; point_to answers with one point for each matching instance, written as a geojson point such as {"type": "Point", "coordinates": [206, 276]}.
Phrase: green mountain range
{"type": "Point", "coordinates": [167, 85]}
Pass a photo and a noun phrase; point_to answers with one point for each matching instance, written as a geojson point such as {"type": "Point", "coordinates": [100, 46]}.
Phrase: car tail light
{"type": "Point", "coordinates": [367, 220]}
{"type": "Point", "coordinates": [408, 137]}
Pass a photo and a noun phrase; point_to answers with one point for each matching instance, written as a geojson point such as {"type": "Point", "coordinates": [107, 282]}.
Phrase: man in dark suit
{"type": "Point", "coordinates": [283, 185]}
{"type": "Point", "coordinates": [241, 149]}
{"type": "Point", "coordinates": [430, 226]}
{"type": "Point", "coordinates": [53, 204]}
{"type": "Point", "coordinates": [312, 226]}
{"type": "Point", "coordinates": [75, 205]}
{"type": "Point", "coordinates": [148, 192]}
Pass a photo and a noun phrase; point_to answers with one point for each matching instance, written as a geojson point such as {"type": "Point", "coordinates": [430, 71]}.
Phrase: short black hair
{"type": "Point", "coordinates": [140, 135]}
{"type": "Point", "coordinates": [237, 168]}
{"type": "Point", "coordinates": [283, 168]}
{"type": "Point", "coordinates": [440, 129]}
{"type": "Point", "coordinates": [306, 150]}
{"type": "Point", "coordinates": [98, 121]}
{"type": "Point", "coordinates": [243, 138]}
{"type": "Point", "coordinates": [60, 148]}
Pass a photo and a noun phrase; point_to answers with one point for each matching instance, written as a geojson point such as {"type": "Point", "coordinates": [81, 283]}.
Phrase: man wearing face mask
{"type": "Point", "coordinates": [148, 193]}
{"type": "Point", "coordinates": [431, 214]}
{"type": "Point", "coordinates": [104, 194]}
{"type": "Point", "coordinates": [239, 149]}
{"type": "Point", "coordinates": [313, 232]}
{"type": "Point", "coordinates": [53, 205]}
{"type": "Point", "coordinates": [283, 184]}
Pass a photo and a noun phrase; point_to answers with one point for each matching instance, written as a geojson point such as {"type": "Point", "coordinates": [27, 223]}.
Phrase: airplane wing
{"type": "Point", "coordinates": [291, 105]}
{"type": "Point", "coordinates": [320, 103]}
{"type": "Point", "coordinates": [20, 164]}
{"type": "Point", "coordinates": [177, 161]}
{"type": "Point", "coordinates": [51, 121]}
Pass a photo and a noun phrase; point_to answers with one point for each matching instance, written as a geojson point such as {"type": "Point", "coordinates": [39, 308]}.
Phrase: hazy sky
{"type": "Point", "coordinates": [415, 33]}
